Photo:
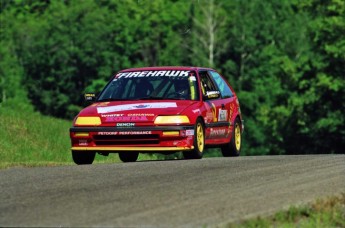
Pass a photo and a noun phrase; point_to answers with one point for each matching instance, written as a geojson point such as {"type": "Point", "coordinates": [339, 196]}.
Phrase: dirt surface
{"type": "Point", "coordinates": [210, 191]}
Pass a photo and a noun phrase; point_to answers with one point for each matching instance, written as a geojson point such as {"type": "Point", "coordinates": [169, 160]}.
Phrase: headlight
{"type": "Point", "coordinates": [88, 121]}
{"type": "Point", "coordinates": [172, 120]}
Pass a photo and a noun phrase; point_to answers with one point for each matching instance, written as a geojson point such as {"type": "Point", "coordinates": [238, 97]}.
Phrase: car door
{"type": "Point", "coordinates": [228, 100]}
{"type": "Point", "coordinates": [216, 119]}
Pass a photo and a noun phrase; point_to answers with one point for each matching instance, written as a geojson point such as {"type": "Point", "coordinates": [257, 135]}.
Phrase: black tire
{"type": "Point", "coordinates": [199, 142]}
{"type": "Point", "coordinates": [128, 156]}
{"type": "Point", "coordinates": [233, 148]}
{"type": "Point", "coordinates": [83, 157]}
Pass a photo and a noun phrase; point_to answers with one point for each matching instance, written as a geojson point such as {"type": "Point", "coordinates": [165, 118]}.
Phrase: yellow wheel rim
{"type": "Point", "coordinates": [200, 137]}
{"type": "Point", "coordinates": [237, 137]}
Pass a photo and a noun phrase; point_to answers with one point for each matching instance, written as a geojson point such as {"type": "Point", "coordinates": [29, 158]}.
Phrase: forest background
{"type": "Point", "coordinates": [284, 58]}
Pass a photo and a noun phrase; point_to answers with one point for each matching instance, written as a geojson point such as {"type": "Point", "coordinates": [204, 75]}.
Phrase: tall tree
{"type": "Point", "coordinates": [11, 64]}
{"type": "Point", "coordinates": [319, 100]}
{"type": "Point", "coordinates": [266, 40]}
{"type": "Point", "coordinates": [208, 30]}
{"type": "Point", "coordinates": [61, 53]}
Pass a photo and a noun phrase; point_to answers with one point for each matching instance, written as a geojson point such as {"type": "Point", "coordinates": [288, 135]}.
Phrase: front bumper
{"type": "Point", "coordinates": [140, 149]}
{"type": "Point", "coordinates": [141, 139]}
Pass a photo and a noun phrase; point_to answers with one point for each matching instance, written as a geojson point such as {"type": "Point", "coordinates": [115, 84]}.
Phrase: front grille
{"type": "Point", "coordinates": [109, 140]}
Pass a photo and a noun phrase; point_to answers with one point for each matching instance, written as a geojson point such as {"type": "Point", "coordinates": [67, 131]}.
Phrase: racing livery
{"type": "Point", "coordinates": [159, 110]}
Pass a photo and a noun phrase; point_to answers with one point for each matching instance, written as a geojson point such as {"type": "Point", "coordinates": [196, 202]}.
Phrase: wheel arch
{"type": "Point", "coordinates": [239, 117]}
{"type": "Point", "coordinates": [200, 118]}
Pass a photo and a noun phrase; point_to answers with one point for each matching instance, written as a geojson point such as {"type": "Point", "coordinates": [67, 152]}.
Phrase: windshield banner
{"type": "Point", "coordinates": [136, 106]}
{"type": "Point", "coordinates": [168, 73]}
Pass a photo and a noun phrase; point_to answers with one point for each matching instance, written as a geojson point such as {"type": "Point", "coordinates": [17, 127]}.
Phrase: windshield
{"type": "Point", "coordinates": [152, 85]}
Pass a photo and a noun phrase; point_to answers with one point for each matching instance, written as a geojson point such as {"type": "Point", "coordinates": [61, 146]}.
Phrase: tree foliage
{"type": "Point", "coordinates": [284, 58]}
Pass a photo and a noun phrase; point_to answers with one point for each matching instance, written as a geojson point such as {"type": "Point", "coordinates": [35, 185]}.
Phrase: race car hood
{"type": "Point", "coordinates": [140, 112]}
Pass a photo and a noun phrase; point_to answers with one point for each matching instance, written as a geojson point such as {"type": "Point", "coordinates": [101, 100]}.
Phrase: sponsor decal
{"type": "Point", "coordinates": [136, 106]}
{"type": "Point", "coordinates": [189, 132]}
{"type": "Point", "coordinates": [111, 115]}
{"type": "Point", "coordinates": [141, 114]}
{"type": "Point", "coordinates": [125, 124]}
{"type": "Point", "coordinates": [130, 114]}
{"type": "Point", "coordinates": [135, 132]}
{"type": "Point", "coordinates": [108, 133]}
{"type": "Point", "coordinates": [125, 119]}
{"type": "Point", "coordinates": [212, 94]}
{"type": "Point", "coordinates": [196, 111]}
{"type": "Point", "coordinates": [214, 113]}
{"type": "Point", "coordinates": [83, 142]}
{"type": "Point", "coordinates": [166, 73]}
{"type": "Point", "coordinates": [132, 117]}
{"type": "Point", "coordinates": [223, 114]}
{"type": "Point", "coordinates": [231, 112]}
{"type": "Point", "coordinates": [217, 132]}
{"type": "Point", "coordinates": [126, 133]}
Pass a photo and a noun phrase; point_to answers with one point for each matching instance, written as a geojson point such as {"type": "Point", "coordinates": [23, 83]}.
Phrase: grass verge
{"type": "Point", "coordinates": [328, 212]}
{"type": "Point", "coordinates": [30, 139]}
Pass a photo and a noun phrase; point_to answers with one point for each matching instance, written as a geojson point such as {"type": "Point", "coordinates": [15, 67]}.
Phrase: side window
{"type": "Point", "coordinates": [206, 82]}
{"type": "Point", "coordinates": [222, 85]}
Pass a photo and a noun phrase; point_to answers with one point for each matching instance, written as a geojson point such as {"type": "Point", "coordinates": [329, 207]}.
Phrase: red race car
{"type": "Point", "coordinates": [159, 110]}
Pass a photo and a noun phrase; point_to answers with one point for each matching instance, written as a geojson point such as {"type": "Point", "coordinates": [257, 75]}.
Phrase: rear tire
{"type": "Point", "coordinates": [128, 156]}
{"type": "Point", "coordinates": [233, 148]}
{"type": "Point", "coordinates": [199, 142]}
{"type": "Point", "coordinates": [83, 157]}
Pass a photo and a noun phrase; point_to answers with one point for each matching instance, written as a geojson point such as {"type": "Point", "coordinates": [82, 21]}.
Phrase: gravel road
{"type": "Point", "coordinates": [211, 191]}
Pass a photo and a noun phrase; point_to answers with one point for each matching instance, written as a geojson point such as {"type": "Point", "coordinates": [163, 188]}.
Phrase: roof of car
{"type": "Point", "coordinates": [167, 68]}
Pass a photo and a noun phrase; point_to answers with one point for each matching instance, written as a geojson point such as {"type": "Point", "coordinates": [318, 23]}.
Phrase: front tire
{"type": "Point", "coordinates": [233, 148]}
{"type": "Point", "coordinates": [199, 142]}
{"type": "Point", "coordinates": [128, 156]}
{"type": "Point", "coordinates": [83, 157]}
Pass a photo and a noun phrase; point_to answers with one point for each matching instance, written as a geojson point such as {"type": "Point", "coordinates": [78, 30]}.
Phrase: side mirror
{"type": "Point", "coordinates": [89, 97]}
{"type": "Point", "coordinates": [212, 95]}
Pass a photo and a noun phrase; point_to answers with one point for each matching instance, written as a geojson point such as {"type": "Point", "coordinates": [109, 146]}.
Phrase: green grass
{"type": "Point", "coordinates": [28, 138]}
{"type": "Point", "coordinates": [328, 212]}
